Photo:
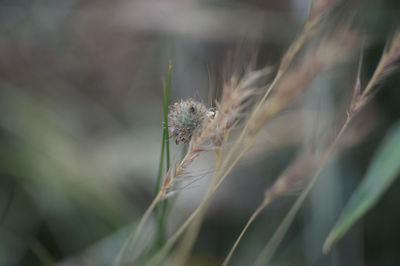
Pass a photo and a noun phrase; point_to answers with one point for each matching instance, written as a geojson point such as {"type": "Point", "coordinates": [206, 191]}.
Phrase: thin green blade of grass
{"type": "Point", "coordinates": [161, 164]}
{"type": "Point", "coordinates": [166, 104]}
{"type": "Point", "coordinates": [165, 136]}
{"type": "Point", "coordinates": [382, 172]}
{"type": "Point", "coordinates": [161, 209]}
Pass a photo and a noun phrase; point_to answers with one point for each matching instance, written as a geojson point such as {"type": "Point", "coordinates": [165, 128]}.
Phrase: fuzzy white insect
{"type": "Point", "coordinates": [185, 117]}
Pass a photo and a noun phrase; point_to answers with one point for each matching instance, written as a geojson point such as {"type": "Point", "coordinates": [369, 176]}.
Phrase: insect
{"type": "Point", "coordinates": [185, 117]}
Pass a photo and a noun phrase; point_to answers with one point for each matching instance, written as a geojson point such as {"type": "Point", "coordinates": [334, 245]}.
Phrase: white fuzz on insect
{"type": "Point", "coordinates": [185, 117]}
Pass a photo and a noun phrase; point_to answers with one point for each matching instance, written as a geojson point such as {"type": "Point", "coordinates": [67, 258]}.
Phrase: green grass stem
{"type": "Point", "coordinates": [162, 208]}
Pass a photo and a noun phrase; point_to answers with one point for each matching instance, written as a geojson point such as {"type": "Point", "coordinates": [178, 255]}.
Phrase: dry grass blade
{"type": "Point", "coordinates": [327, 53]}
{"type": "Point", "coordinates": [267, 253]}
{"type": "Point", "coordinates": [294, 178]}
{"type": "Point", "coordinates": [300, 166]}
{"type": "Point", "coordinates": [384, 68]}
{"type": "Point", "coordinates": [387, 60]}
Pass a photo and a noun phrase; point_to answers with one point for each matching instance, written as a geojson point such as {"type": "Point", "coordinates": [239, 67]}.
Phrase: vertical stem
{"type": "Point", "coordinates": [161, 164]}
{"type": "Point", "coordinates": [166, 104]}
{"type": "Point", "coordinates": [161, 209]}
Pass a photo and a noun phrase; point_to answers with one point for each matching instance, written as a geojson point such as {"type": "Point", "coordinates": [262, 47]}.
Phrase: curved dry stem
{"type": "Point", "coordinates": [156, 260]}
{"type": "Point", "coordinates": [267, 253]}
{"type": "Point", "coordinates": [287, 59]}
{"type": "Point", "coordinates": [138, 229]}
{"type": "Point", "coordinates": [192, 233]}
{"type": "Point", "coordinates": [187, 243]}
{"type": "Point", "coordinates": [249, 222]}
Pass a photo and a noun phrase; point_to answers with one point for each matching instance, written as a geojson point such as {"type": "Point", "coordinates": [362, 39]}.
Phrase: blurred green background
{"type": "Point", "coordinates": [81, 124]}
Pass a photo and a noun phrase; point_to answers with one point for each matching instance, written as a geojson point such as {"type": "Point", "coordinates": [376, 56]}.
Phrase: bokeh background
{"type": "Point", "coordinates": [81, 124]}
